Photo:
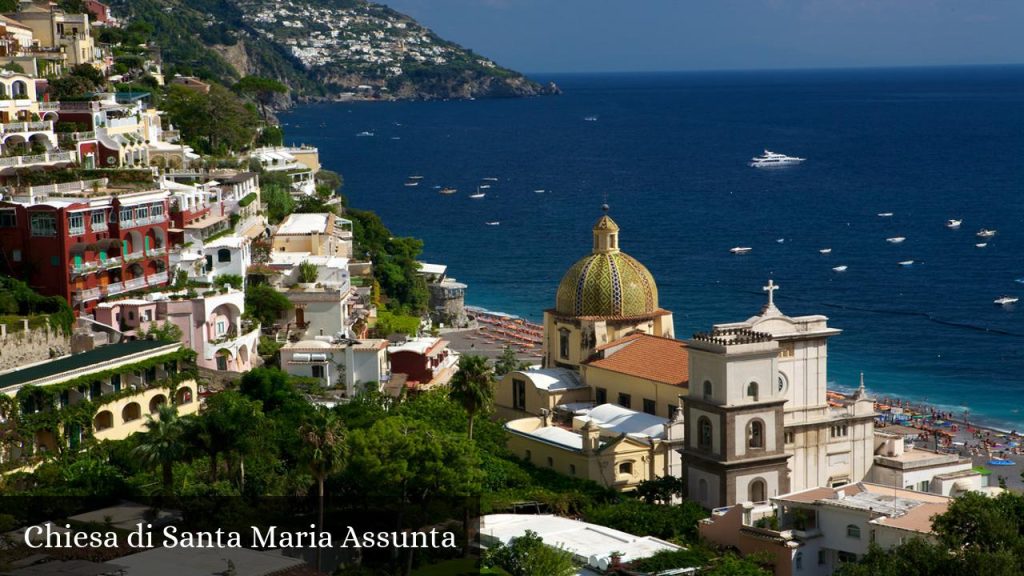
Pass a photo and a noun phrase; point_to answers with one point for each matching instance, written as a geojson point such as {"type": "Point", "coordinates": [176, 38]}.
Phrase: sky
{"type": "Point", "coordinates": [663, 35]}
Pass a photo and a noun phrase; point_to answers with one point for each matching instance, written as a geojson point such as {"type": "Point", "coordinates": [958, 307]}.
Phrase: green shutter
{"type": "Point", "coordinates": [103, 256]}
{"type": "Point", "coordinates": [78, 261]}
{"type": "Point", "coordinates": [124, 247]}
{"type": "Point", "coordinates": [145, 242]}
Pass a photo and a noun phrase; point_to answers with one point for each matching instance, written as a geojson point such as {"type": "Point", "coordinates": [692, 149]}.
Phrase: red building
{"type": "Point", "coordinates": [100, 11]}
{"type": "Point", "coordinates": [83, 243]}
{"type": "Point", "coordinates": [425, 362]}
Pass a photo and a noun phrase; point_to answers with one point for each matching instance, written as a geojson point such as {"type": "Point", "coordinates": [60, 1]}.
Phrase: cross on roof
{"type": "Point", "coordinates": [770, 289]}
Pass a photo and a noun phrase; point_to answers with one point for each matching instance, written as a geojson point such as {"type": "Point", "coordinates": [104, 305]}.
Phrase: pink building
{"type": "Point", "coordinates": [211, 325]}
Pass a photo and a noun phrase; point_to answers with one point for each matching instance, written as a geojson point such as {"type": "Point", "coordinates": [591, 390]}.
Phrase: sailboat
{"type": "Point", "coordinates": [478, 194]}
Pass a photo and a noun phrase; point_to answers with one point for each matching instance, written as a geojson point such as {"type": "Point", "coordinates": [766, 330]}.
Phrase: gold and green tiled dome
{"type": "Point", "coordinates": [607, 283]}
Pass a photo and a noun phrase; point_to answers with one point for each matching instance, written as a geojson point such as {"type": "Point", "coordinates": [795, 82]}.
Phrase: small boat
{"type": "Point", "coordinates": [825, 251]}
{"type": "Point", "coordinates": [396, 137]}
{"type": "Point", "coordinates": [489, 179]}
{"type": "Point", "coordinates": [591, 118]}
{"type": "Point", "coordinates": [494, 223]}
{"type": "Point", "coordinates": [1005, 300]}
{"type": "Point", "coordinates": [539, 191]}
{"type": "Point", "coordinates": [740, 249]}
{"type": "Point", "coordinates": [412, 183]}
{"type": "Point", "coordinates": [906, 263]}
{"type": "Point", "coordinates": [895, 240]}
{"type": "Point", "coordinates": [839, 268]}
{"type": "Point", "coordinates": [885, 214]}
{"type": "Point", "coordinates": [484, 186]}
{"type": "Point", "coordinates": [448, 190]}
{"type": "Point", "coordinates": [986, 233]}
{"type": "Point", "coordinates": [774, 160]}
{"type": "Point", "coordinates": [981, 244]}
{"type": "Point", "coordinates": [1019, 280]}
{"type": "Point", "coordinates": [478, 195]}
{"type": "Point", "coordinates": [365, 133]}
{"type": "Point", "coordinates": [953, 223]}
{"type": "Point", "coordinates": [781, 240]}
{"type": "Point", "coordinates": [415, 177]}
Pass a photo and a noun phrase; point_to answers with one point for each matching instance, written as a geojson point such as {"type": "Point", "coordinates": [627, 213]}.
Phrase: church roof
{"type": "Point", "coordinates": [649, 357]}
{"type": "Point", "coordinates": [607, 283]}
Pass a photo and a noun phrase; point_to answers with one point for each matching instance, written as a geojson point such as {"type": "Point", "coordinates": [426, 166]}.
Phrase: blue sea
{"type": "Point", "coordinates": [669, 153]}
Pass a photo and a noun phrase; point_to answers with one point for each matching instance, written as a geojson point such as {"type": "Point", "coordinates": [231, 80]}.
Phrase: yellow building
{"type": "Point", "coordinates": [640, 372]}
{"type": "Point", "coordinates": [605, 296]}
{"type": "Point", "coordinates": [532, 392]}
{"type": "Point", "coordinates": [102, 394]}
{"type": "Point", "coordinates": [55, 30]}
{"type": "Point", "coordinates": [613, 446]}
{"type": "Point", "coordinates": [317, 234]}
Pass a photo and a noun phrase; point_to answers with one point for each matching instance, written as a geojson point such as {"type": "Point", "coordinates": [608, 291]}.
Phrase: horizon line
{"type": "Point", "coordinates": [783, 69]}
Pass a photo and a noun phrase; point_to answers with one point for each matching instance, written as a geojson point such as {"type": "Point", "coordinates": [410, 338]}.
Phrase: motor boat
{"type": "Point", "coordinates": [885, 214]}
{"type": "Point", "coordinates": [412, 183]}
{"type": "Point", "coordinates": [986, 233]}
{"type": "Point", "coordinates": [906, 263]}
{"type": "Point", "coordinates": [839, 268]}
{"type": "Point", "coordinates": [825, 251]}
{"type": "Point", "coordinates": [953, 223]}
{"type": "Point", "coordinates": [365, 133]}
{"type": "Point", "coordinates": [1005, 300]}
{"type": "Point", "coordinates": [981, 244]}
{"type": "Point", "coordinates": [780, 240]}
{"type": "Point", "coordinates": [774, 160]}
{"type": "Point", "coordinates": [895, 239]}
{"type": "Point", "coordinates": [448, 190]}
{"type": "Point", "coordinates": [494, 223]}
{"type": "Point", "coordinates": [740, 249]}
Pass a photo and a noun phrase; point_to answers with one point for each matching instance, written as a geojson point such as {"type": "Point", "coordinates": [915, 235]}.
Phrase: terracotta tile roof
{"type": "Point", "coordinates": [650, 357]}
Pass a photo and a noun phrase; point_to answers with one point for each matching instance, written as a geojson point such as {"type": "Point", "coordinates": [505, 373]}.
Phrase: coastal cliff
{"type": "Point", "coordinates": [322, 49]}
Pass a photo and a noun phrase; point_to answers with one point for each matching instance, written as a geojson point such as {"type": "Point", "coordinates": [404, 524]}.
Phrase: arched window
{"type": "Point", "coordinates": [223, 255]}
{"type": "Point", "coordinates": [853, 531]}
{"type": "Point", "coordinates": [758, 491]}
{"type": "Point", "coordinates": [755, 434]}
{"type": "Point", "coordinates": [707, 389]}
{"type": "Point", "coordinates": [783, 382]}
{"type": "Point", "coordinates": [705, 433]}
{"type": "Point", "coordinates": [752, 391]}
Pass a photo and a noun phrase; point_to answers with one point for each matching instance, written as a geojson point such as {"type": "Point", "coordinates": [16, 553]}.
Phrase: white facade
{"type": "Point", "coordinates": [348, 365]}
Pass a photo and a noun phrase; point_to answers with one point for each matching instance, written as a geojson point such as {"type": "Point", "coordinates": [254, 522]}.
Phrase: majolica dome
{"type": "Point", "coordinates": [607, 283]}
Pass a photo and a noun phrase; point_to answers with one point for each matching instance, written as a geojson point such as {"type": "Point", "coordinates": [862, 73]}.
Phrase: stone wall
{"type": "Point", "coordinates": [20, 346]}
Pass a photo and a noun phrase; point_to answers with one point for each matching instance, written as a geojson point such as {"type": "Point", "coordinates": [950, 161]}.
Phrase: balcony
{"type": "Point", "coordinates": [134, 284]}
{"type": "Point", "coordinates": [156, 279]}
{"type": "Point", "coordinates": [36, 159]}
{"type": "Point", "coordinates": [114, 288]}
{"type": "Point", "coordinates": [76, 136]}
{"type": "Point", "coordinates": [156, 251]}
{"type": "Point", "coordinates": [137, 255]}
{"type": "Point", "coordinates": [79, 296]}
{"type": "Point", "coordinates": [49, 106]}
{"type": "Point", "coordinates": [21, 127]}
{"type": "Point", "coordinates": [114, 262]}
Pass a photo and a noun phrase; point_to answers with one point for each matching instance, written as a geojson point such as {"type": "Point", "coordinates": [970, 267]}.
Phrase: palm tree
{"type": "Point", "coordinates": [473, 386]}
{"type": "Point", "coordinates": [162, 444]}
{"type": "Point", "coordinates": [323, 439]}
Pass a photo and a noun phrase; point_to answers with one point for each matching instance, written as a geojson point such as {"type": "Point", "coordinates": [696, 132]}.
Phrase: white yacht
{"type": "Point", "coordinates": [773, 160]}
{"type": "Point", "coordinates": [740, 249]}
{"type": "Point", "coordinates": [981, 244]}
{"type": "Point", "coordinates": [895, 240]}
{"type": "Point", "coordinates": [839, 268]}
{"type": "Point", "coordinates": [986, 233]}
{"type": "Point", "coordinates": [953, 223]}
{"type": "Point", "coordinates": [412, 183]}
{"type": "Point", "coordinates": [885, 214]}
{"type": "Point", "coordinates": [494, 223]}
{"type": "Point", "coordinates": [365, 133]}
{"type": "Point", "coordinates": [1004, 300]}
{"type": "Point", "coordinates": [825, 251]}
{"type": "Point", "coordinates": [906, 263]}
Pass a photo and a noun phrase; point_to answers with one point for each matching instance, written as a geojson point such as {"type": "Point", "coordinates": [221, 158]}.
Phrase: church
{"type": "Point", "coordinates": [749, 397]}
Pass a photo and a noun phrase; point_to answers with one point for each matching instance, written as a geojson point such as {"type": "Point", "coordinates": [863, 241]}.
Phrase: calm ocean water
{"type": "Point", "coordinates": [670, 153]}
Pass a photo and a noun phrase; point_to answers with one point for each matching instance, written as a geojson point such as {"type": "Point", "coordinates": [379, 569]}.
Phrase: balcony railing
{"type": "Point", "coordinates": [138, 255]}
{"type": "Point", "coordinates": [77, 136]}
{"type": "Point", "coordinates": [48, 158]}
{"type": "Point", "coordinates": [114, 262]}
{"type": "Point", "coordinates": [114, 288]}
{"type": "Point", "coordinates": [79, 296]}
{"type": "Point", "coordinates": [156, 251]}
{"type": "Point", "coordinates": [49, 106]}
{"type": "Point", "coordinates": [158, 278]}
{"type": "Point", "coordinates": [135, 283]}
{"type": "Point", "coordinates": [15, 127]}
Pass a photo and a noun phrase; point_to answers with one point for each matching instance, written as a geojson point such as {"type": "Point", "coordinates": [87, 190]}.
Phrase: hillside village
{"type": "Point", "coordinates": [191, 311]}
